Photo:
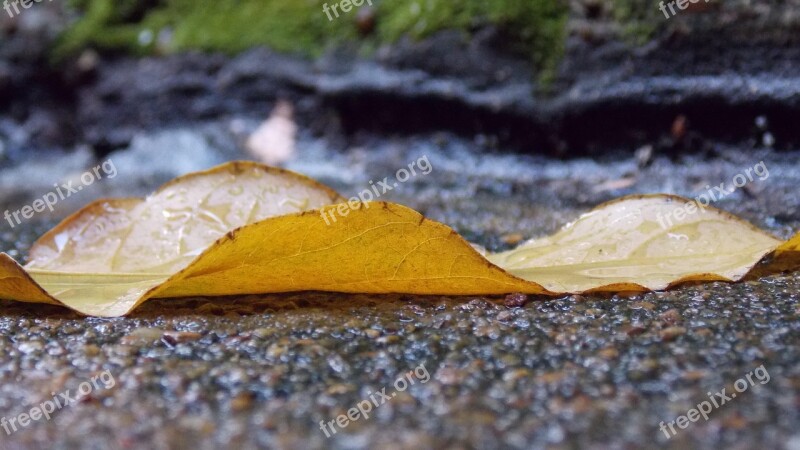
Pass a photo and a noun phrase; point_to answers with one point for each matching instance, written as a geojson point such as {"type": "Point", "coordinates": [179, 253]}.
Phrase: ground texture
{"type": "Point", "coordinates": [594, 372]}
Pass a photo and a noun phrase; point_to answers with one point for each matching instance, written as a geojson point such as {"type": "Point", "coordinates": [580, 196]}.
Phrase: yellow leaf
{"type": "Point", "coordinates": [105, 257]}
{"type": "Point", "coordinates": [243, 228]}
{"type": "Point", "coordinates": [639, 242]}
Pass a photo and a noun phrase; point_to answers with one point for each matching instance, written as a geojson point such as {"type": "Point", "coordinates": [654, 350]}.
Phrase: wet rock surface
{"type": "Point", "coordinates": [603, 98]}
{"type": "Point", "coordinates": [721, 70]}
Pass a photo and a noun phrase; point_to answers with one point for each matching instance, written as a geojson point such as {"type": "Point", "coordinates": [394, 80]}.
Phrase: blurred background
{"type": "Point", "coordinates": [561, 104]}
{"type": "Point", "coordinates": [530, 112]}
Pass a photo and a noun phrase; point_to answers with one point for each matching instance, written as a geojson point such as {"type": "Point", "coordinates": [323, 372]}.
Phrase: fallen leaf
{"type": "Point", "coordinates": [623, 244]}
{"type": "Point", "coordinates": [103, 258]}
{"type": "Point", "coordinates": [244, 228]}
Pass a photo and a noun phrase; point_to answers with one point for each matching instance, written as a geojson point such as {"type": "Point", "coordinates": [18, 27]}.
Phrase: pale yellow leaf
{"type": "Point", "coordinates": [640, 241]}
{"type": "Point", "coordinates": [113, 251]}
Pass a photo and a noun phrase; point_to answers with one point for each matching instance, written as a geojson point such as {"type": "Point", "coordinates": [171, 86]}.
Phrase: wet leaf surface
{"type": "Point", "coordinates": [244, 228]}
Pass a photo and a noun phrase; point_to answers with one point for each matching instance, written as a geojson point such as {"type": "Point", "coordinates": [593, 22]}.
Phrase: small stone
{"type": "Point", "coordinates": [263, 332]}
{"type": "Point", "coordinates": [670, 316]}
{"type": "Point", "coordinates": [505, 316]}
{"type": "Point", "coordinates": [142, 336]}
{"type": "Point", "coordinates": [694, 375]}
{"type": "Point", "coordinates": [338, 389]}
{"type": "Point", "coordinates": [551, 377]}
{"type": "Point", "coordinates": [122, 350]}
{"type": "Point", "coordinates": [703, 332]}
{"type": "Point", "coordinates": [30, 347]}
{"type": "Point", "coordinates": [479, 303]}
{"type": "Point", "coordinates": [515, 300]}
{"type": "Point", "coordinates": [91, 350]}
{"type": "Point", "coordinates": [336, 363]}
{"type": "Point", "coordinates": [594, 312]}
{"type": "Point", "coordinates": [516, 374]}
{"type": "Point", "coordinates": [487, 331]}
{"type": "Point", "coordinates": [241, 402]}
{"type": "Point", "coordinates": [182, 336]}
{"type": "Point", "coordinates": [276, 350]}
{"type": "Point", "coordinates": [388, 339]}
{"type": "Point", "coordinates": [643, 305]}
{"type": "Point", "coordinates": [56, 351]}
{"type": "Point", "coordinates": [450, 375]}
{"type": "Point", "coordinates": [608, 353]}
{"type": "Point", "coordinates": [635, 330]}
{"type": "Point", "coordinates": [670, 333]}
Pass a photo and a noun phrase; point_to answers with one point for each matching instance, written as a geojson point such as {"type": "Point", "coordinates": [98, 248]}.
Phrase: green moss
{"type": "Point", "coordinates": [535, 26]}
{"type": "Point", "coordinates": [640, 19]}
{"type": "Point", "coordinates": [229, 26]}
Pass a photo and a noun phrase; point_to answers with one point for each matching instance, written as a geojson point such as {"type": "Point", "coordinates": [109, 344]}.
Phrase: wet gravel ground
{"type": "Point", "coordinates": [573, 372]}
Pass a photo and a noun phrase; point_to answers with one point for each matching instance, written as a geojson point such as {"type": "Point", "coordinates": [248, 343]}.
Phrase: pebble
{"type": "Point", "coordinates": [635, 330]}
{"type": "Point", "coordinates": [241, 402]}
{"type": "Point", "coordinates": [142, 336]}
{"type": "Point", "coordinates": [609, 353]}
{"type": "Point", "coordinates": [670, 333]}
{"type": "Point", "coordinates": [505, 316]}
{"type": "Point", "coordinates": [643, 305]}
{"type": "Point", "coordinates": [388, 339]}
{"type": "Point", "coordinates": [181, 336]}
{"type": "Point", "coordinates": [671, 316]}
{"type": "Point", "coordinates": [516, 300]}
{"type": "Point", "coordinates": [30, 347]}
